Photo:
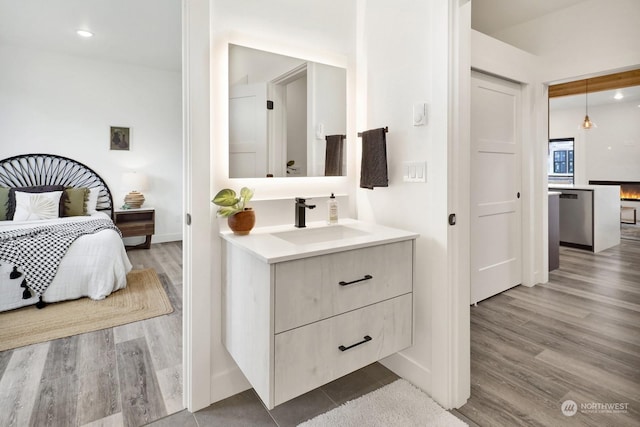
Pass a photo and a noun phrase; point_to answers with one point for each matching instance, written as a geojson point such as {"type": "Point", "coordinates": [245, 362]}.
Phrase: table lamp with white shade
{"type": "Point", "coordinates": [137, 182]}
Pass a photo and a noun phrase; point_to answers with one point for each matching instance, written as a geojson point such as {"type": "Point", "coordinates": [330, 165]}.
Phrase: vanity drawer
{"type": "Point", "coordinates": [308, 357]}
{"type": "Point", "coordinates": [312, 289]}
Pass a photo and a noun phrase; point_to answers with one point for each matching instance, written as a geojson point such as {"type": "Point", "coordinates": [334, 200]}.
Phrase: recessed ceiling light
{"type": "Point", "coordinates": [84, 33]}
{"type": "Point", "coordinates": [618, 95]}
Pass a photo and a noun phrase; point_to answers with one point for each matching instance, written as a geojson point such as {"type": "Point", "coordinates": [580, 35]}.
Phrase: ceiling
{"type": "Point", "coordinates": [148, 32]}
{"type": "Point", "coordinates": [631, 95]}
{"type": "Point", "coordinates": [491, 16]}
{"type": "Point", "coordinates": [140, 32]}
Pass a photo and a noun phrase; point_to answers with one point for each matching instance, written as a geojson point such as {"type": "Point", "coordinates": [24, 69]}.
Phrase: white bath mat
{"type": "Point", "coordinates": [398, 404]}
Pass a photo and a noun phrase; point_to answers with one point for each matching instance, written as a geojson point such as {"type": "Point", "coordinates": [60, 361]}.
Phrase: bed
{"type": "Point", "coordinates": [95, 264]}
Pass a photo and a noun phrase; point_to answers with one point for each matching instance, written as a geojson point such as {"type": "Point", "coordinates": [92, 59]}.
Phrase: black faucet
{"type": "Point", "coordinates": [300, 212]}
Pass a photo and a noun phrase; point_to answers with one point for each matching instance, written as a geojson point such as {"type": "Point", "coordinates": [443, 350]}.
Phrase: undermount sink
{"type": "Point", "coordinates": [306, 236]}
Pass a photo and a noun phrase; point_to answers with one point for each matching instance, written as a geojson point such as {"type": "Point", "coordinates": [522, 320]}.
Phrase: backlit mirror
{"type": "Point", "coordinates": [287, 116]}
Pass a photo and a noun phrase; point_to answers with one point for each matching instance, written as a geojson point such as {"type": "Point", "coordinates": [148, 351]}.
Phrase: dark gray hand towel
{"type": "Point", "coordinates": [334, 155]}
{"type": "Point", "coordinates": [374, 159]}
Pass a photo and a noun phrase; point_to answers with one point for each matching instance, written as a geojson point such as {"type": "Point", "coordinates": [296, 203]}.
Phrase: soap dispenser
{"type": "Point", "coordinates": [332, 210]}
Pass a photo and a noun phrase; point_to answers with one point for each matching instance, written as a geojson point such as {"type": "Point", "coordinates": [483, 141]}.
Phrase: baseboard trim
{"type": "Point", "coordinates": [163, 238]}
{"type": "Point", "coordinates": [410, 370]}
{"type": "Point", "coordinates": [156, 238]}
{"type": "Point", "coordinates": [228, 383]}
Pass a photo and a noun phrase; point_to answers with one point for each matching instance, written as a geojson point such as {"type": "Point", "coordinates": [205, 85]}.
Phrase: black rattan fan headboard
{"type": "Point", "coordinates": [28, 170]}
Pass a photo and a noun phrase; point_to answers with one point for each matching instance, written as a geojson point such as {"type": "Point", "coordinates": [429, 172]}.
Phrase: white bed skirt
{"type": "Point", "coordinates": [94, 266]}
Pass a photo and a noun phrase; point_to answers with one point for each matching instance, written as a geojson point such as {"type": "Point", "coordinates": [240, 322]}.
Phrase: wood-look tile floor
{"type": "Point", "coordinates": [575, 338]}
{"type": "Point", "coordinates": [129, 375]}
{"type": "Point", "coordinates": [246, 410]}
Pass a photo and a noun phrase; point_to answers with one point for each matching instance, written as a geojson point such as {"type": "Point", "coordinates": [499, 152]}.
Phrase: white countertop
{"type": "Point", "coordinates": [580, 187]}
{"type": "Point", "coordinates": [263, 244]}
{"type": "Point", "coordinates": [554, 193]}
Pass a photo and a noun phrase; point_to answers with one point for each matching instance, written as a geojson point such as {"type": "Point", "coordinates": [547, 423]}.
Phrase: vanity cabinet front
{"type": "Point", "coordinates": [312, 289]}
{"type": "Point", "coordinates": [295, 325]}
{"type": "Point", "coordinates": [315, 354]}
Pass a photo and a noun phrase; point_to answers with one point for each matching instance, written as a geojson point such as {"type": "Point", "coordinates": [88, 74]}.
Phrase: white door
{"type": "Point", "coordinates": [496, 224]}
{"type": "Point", "coordinates": [248, 131]}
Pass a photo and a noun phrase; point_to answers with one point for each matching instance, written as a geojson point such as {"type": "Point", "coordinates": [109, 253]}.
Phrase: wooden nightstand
{"type": "Point", "coordinates": [136, 222]}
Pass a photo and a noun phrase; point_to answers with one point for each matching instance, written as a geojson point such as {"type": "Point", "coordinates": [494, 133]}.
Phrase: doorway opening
{"type": "Point", "coordinates": [287, 136]}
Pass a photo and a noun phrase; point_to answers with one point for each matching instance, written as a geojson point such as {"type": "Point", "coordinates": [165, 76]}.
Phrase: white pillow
{"type": "Point", "coordinates": [92, 203]}
{"type": "Point", "coordinates": [34, 206]}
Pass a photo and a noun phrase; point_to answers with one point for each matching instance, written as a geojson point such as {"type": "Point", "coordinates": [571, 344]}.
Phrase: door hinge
{"type": "Point", "coordinates": [269, 105]}
{"type": "Point", "coordinates": [187, 219]}
{"type": "Point", "coordinates": [452, 219]}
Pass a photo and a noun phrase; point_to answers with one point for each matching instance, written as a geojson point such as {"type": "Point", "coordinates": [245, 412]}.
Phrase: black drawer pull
{"type": "Point", "coordinates": [366, 277]}
{"type": "Point", "coordinates": [367, 338]}
{"type": "Point", "coordinates": [568, 196]}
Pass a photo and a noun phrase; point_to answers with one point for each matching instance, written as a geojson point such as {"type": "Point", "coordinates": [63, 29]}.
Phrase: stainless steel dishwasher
{"type": "Point", "coordinates": [576, 218]}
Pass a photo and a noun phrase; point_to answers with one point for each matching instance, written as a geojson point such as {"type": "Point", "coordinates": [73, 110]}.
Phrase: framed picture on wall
{"type": "Point", "coordinates": [119, 138]}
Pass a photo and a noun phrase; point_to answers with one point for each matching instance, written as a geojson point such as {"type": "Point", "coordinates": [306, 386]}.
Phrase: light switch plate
{"type": "Point", "coordinates": [420, 114]}
{"type": "Point", "coordinates": [414, 171]}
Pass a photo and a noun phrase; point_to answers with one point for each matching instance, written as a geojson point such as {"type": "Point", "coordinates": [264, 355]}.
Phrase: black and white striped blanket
{"type": "Point", "coordinates": [38, 251]}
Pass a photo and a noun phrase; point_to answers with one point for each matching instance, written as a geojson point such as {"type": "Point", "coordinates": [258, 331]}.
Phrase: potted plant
{"type": "Point", "coordinates": [240, 217]}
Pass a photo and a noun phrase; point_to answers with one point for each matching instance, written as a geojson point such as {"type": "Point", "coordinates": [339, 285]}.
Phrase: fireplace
{"type": "Point", "coordinates": [629, 190]}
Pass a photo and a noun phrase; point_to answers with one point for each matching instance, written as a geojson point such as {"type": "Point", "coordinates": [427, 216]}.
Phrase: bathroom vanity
{"type": "Point", "coordinates": [303, 307]}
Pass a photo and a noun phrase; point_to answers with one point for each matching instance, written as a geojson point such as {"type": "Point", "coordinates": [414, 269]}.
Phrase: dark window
{"type": "Point", "coordinates": [570, 164]}
{"type": "Point", "coordinates": [560, 161]}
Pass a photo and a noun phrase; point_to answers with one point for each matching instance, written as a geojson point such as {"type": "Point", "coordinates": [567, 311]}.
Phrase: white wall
{"type": "Point", "coordinates": [61, 104]}
{"type": "Point", "coordinates": [413, 70]}
{"type": "Point", "coordinates": [314, 31]}
{"type": "Point", "coordinates": [590, 37]}
{"type": "Point", "coordinates": [319, 31]}
{"type": "Point", "coordinates": [399, 73]}
{"type": "Point", "coordinates": [401, 68]}
{"type": "Point", "coordinates": [610, 152]}
{"type": "Point", "coordinates": [329, 112]}
{"type": "Point", "coordinates": [395, 69]}
{"type": "Point", "coordinates": [595, 37]}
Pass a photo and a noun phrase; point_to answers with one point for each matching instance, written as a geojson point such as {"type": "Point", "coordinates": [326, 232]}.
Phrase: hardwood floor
{"type": "Point", "coordinates": [575, 338]}
{"type": "Point", "coordinates": [129, 375]}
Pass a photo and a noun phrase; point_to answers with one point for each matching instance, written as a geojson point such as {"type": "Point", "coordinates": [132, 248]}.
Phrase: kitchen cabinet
{"type": "Point", "coordinates": [554, 230]}
{"type": "Point", "coordinates": [589, 216]}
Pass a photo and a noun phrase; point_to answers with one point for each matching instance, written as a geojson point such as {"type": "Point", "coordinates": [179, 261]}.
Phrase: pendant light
{"type": "Point", "coordinates": [587, 123]}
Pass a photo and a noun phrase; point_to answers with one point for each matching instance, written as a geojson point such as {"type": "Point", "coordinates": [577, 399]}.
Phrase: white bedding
{"type": "Point", "coordinates": [95, 265]}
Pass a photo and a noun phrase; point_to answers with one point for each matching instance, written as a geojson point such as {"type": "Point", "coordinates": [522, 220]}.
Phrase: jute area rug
{"type": "Point", "coordinates": [398, 404]}
{"type": "Point", "coordinates": [143, 298]}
